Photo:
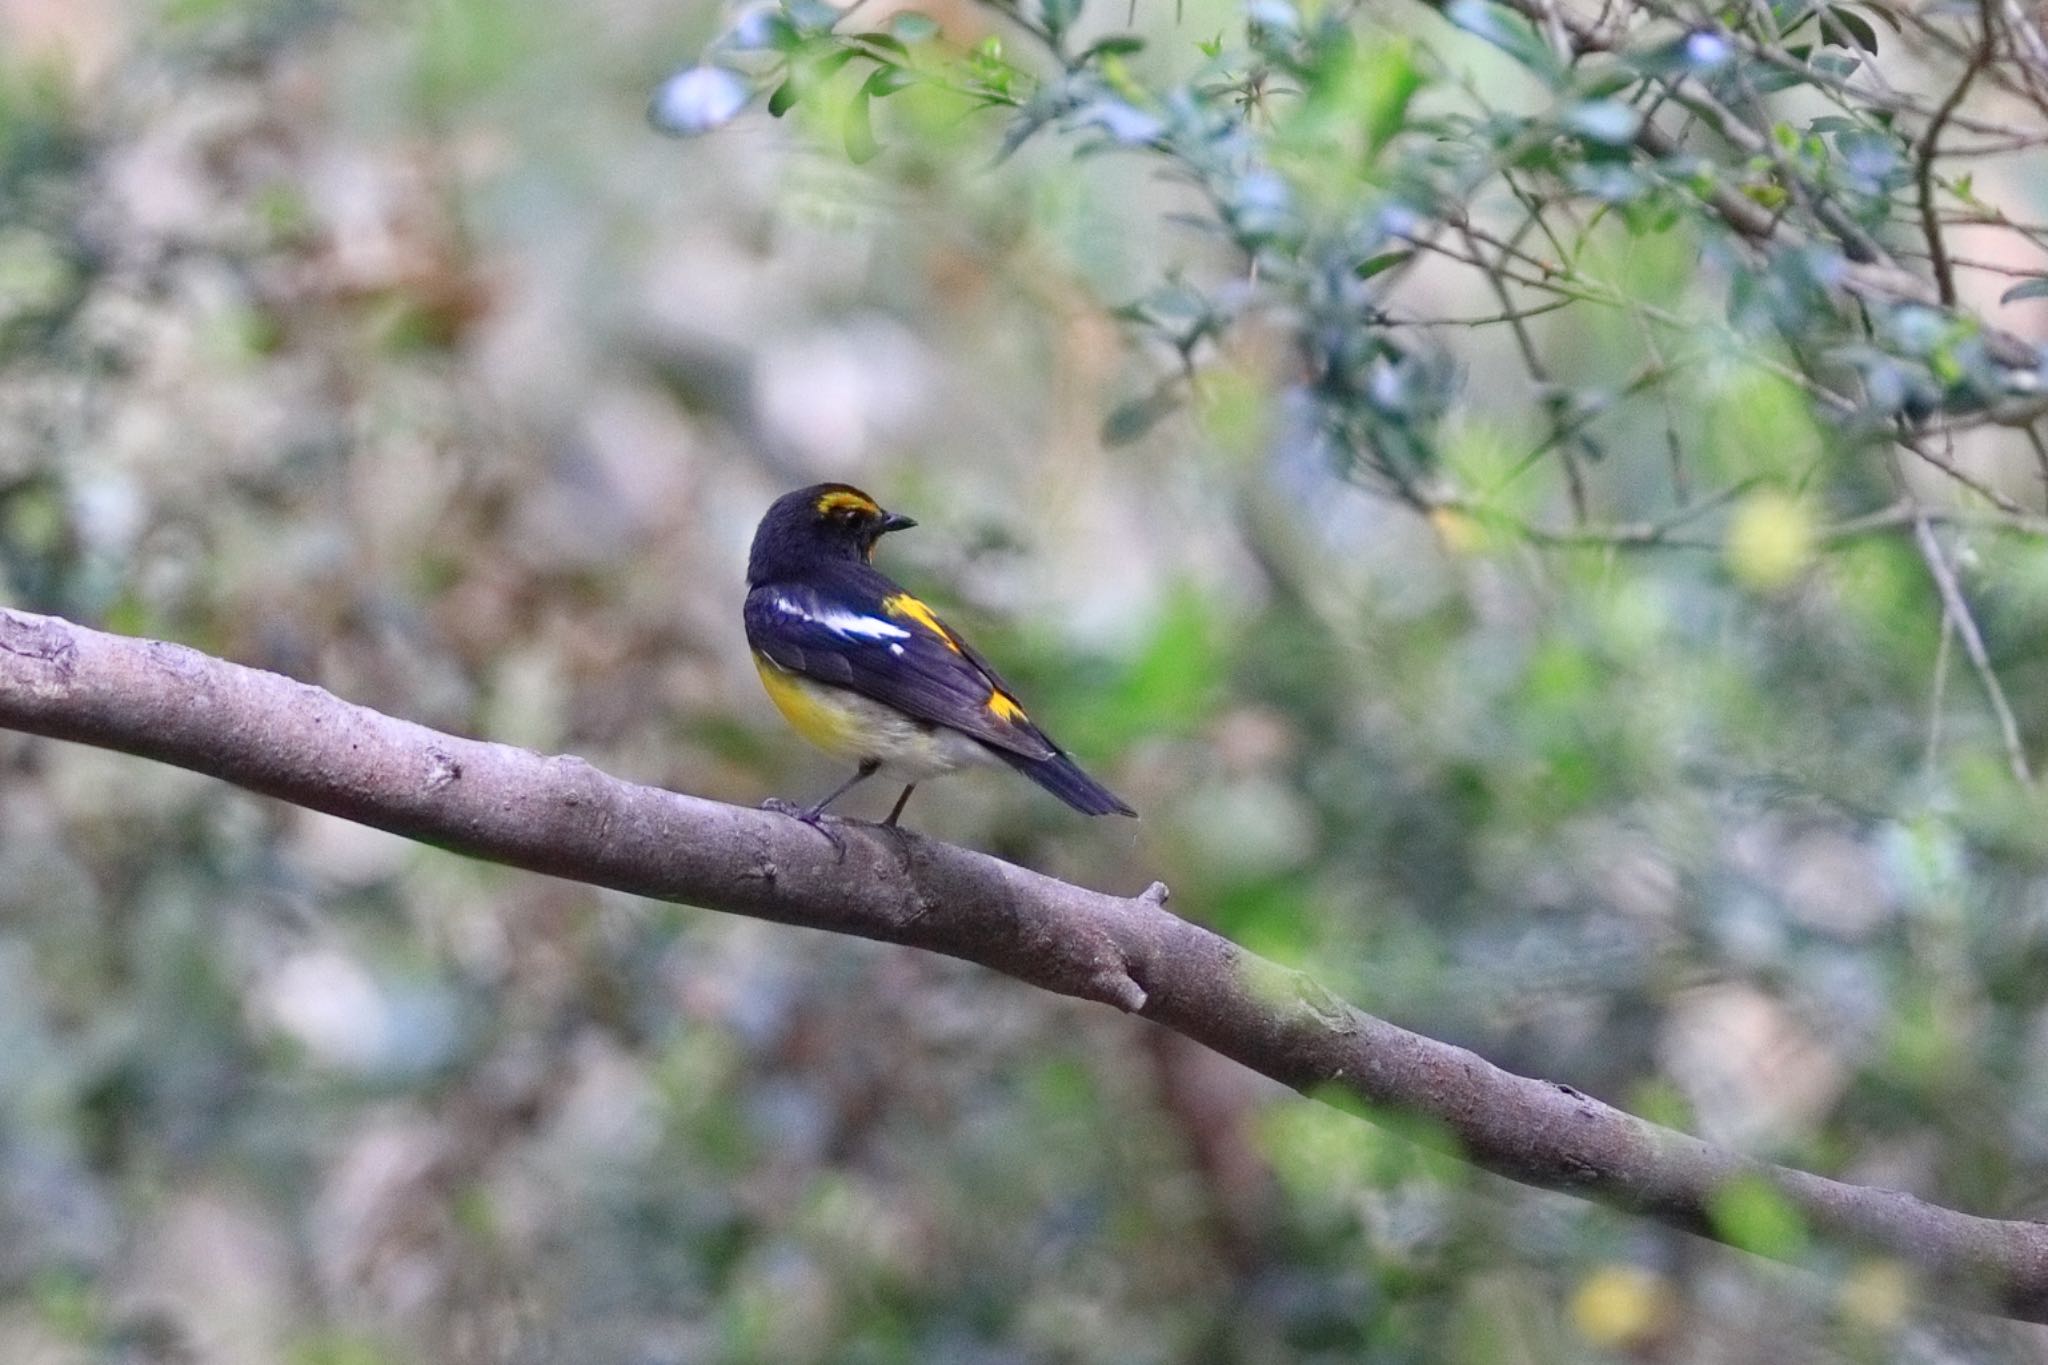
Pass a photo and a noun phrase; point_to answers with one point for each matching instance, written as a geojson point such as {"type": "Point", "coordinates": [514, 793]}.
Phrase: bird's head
{"type": "Point", "coordinates": [826, 521]}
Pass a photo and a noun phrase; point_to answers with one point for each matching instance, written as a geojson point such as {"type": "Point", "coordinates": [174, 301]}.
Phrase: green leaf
{"type": "Point", "coordinates": [1382, 263]}
{"type": "Point", "coordinates": [1608, 82]}
{"type": "Point", "coordinates": [1387, 81]}
{"type": "Point", "coordinates": [831, 63]}
{"type": "Point", "coordinates": [887, 42]}
{"type": "Point", "coordinates": [887, 80]}
{"type": "Point", "coordinates": [988, 66]}
{"type": "Point", "coordinates": [1130, 420]}
{"type": "Point", "coordinates": [1509, 32]}
{"type": "Point", "coordinates": [1115, 45]}
{"type": "Point", "coordinates": [784, 99]}
{"type": "Point", "coordinates": [2026, 289]}
{"type": "Point", "coordinates": [861, 146]}
{"type": "Point", "coordinates": [1846, 28]}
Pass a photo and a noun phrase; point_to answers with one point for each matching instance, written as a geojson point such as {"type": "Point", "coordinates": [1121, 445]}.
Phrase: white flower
{"type": "Point", "coordinates": [696, 100]}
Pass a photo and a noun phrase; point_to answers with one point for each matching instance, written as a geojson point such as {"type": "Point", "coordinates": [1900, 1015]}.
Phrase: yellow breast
{"type": "Point", "coordinates": [823, 715]}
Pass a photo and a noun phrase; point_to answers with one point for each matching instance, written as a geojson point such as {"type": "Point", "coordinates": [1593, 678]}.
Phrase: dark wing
{"type": "Point", "coordinates": [872, 638]}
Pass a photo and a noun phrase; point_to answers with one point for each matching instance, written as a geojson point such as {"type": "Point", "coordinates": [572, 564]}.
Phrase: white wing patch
{"type": "Point", "coordinates": [847, 623]}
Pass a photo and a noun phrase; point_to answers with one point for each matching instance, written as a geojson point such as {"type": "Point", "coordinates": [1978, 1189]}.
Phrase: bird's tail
{"type": "Point", "coordinates": [1063, 777]}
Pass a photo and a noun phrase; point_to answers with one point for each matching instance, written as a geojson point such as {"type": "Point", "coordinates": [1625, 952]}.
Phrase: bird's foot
{"type": "Point", "coordinates": [813, 816]}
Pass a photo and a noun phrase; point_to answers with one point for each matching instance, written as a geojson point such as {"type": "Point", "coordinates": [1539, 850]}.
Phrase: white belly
{"type": "Point", "coordinates": [910, 750]}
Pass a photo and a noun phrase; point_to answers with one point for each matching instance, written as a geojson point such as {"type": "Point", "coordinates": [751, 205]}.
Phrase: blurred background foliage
{"type": "Point", "coordinates": [1580, 686]}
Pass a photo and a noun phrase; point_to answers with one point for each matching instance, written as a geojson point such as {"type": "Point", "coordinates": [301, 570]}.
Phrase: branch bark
{"type": "Point", "coordinates": [562, 817]}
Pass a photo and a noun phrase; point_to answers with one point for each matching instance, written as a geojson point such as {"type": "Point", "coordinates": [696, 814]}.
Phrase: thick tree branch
{"type": "Point", "coordinates": [563, 817]}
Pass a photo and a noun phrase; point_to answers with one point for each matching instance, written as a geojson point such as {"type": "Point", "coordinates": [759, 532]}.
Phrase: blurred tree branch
{"type": "Point", "coordinates": [1330, 162]}
{"type": "Point", "coordinates": [562, 817]}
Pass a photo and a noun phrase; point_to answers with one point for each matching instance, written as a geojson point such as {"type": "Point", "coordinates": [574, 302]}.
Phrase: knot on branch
{"type": "Point", "coordinates": [42, 640]}
{"type": "Point", "coordinates": [442, 769]}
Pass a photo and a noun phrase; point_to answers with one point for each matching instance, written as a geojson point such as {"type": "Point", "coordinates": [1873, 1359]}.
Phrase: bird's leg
{"type": "Point", "coordinates": [814, 816]}
{"type": "Point", "coordinates": [897, 809]}
{"type": "Point", "coordinates": [867, 769]}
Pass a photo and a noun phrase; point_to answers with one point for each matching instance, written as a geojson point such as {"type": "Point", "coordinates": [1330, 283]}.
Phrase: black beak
{"type": "Point", "coordinates": [894, 521]}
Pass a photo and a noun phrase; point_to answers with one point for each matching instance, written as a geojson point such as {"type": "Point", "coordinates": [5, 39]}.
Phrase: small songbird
{"type": "Point", "coordinates": [866, 671]}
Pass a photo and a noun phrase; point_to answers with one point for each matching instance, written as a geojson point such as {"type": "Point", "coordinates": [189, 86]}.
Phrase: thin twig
{"type": "Point", "coordinates": [2040, 451]}
{"type": "Point", "coordinates": [1903, 514]}
{"type": "Point", "coordinates": [1491, 319]}
{"type": "Point", "coordinates": [1647, 535]}
{"type": "Point", "coordinates": [1948, 466]}
{"type": "Point", "coordinates": [1939, 690]}
{"type": "Point", "coordinates": [1562, 434]}
{"type": "Point", "coordinates": [1923, 171]}
{"type": "Point", "coordinates": [1957, 609]}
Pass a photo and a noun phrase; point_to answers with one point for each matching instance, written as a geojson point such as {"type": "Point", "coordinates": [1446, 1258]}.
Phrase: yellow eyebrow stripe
{"type": "Point", "coordinates": [833, 502]}
{"type": "Point", "coordinates": [907, 608]}
{"type": "Point", "coordinates": [1003, 706]}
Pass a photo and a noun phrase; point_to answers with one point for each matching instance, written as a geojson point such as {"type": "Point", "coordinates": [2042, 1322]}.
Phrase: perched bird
{"type": "Point", "coordinates": [866, 671]}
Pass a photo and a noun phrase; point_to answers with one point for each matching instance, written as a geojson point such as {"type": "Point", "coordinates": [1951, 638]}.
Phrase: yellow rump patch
{"type": "Point", "coordinates": [1004, 707]}
{"type": "Point", "coordinates": [907, 608]}
{"type": "Point", "coordinates": [842, 499]}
